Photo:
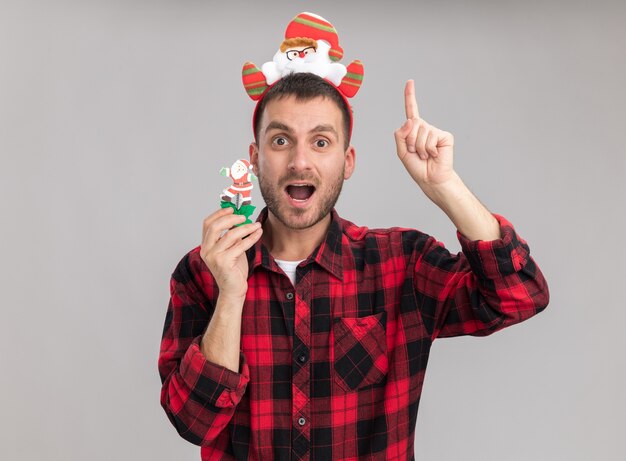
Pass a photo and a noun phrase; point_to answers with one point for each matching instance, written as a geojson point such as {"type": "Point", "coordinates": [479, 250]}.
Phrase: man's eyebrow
{"type": "Point", "coordinates": [274, 125]}
{"type": "Point", "coordinates": [277, 126]}
{"type": "Point", "coordinates": [325, 128]}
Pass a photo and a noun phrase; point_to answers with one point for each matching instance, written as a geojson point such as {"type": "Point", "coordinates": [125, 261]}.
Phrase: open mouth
{"type": "Point", "coordinates": [300, 192]}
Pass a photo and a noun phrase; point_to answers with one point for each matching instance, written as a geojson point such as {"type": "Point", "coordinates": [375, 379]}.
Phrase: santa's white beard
{"type": "Point", "coordinates": [297, 65]}
{"type": "Point", "coordinates": [317, 63]}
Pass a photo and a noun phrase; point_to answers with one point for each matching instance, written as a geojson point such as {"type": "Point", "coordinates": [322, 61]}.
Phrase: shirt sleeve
{"type": "Point", "coordinates": [487, 287]}
{"type": "Point", "coordinates": [198, 396]}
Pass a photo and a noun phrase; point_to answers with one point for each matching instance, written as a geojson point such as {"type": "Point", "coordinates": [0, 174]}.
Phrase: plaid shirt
{"type": "Point", "coordinates": [333, 368]}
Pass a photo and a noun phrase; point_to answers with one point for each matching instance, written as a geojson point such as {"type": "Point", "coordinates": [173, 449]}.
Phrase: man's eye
{"type": "Point", "coordinates": [321, 143]}
{"type": "Point", "coordinates": [280, 141]}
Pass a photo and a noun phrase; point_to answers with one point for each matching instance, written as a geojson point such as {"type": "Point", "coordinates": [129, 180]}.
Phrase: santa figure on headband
{"type": "Point", "coordinates": [298, 53]}
{"type": "Point", "coordinates": [311, 44]}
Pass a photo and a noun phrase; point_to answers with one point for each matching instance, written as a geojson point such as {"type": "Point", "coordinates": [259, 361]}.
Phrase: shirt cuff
{"type": "Point", "coordinates": [496, 258]}
{"type": "Point", "coordinates": [217, 384]}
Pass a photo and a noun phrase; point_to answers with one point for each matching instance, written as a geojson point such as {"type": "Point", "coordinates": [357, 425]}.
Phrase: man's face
{"type": "Point", "coordinates": [300, 159]}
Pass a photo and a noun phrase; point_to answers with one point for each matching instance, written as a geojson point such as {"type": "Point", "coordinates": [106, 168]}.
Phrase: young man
{"type": "Point", "coordinates": [303, 336]}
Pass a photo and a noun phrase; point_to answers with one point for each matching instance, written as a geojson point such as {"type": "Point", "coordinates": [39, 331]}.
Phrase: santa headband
{"type": "Point", "coordinates": [311, 45]}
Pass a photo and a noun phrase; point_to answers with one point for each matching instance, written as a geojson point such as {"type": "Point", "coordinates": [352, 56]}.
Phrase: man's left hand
{"type": "Point", "coordinates": [425, 151]}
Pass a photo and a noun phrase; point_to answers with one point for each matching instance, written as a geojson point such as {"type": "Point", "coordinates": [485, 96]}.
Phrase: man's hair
{"type": "Point", "coordinates": [304, 86]}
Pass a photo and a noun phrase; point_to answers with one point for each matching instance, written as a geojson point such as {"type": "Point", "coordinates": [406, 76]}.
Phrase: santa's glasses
{"type": "Point", "coordinates": [293, 54]}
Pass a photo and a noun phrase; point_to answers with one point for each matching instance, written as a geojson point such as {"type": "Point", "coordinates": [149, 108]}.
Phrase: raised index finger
{"type": "Point", "coordinates": [410, 102]}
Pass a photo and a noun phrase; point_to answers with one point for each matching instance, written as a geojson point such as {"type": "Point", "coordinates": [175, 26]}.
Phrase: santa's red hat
{"type": "Point", "coordinates": [310, 25]}
{"type": "Point", "coordinates": [244, 161]}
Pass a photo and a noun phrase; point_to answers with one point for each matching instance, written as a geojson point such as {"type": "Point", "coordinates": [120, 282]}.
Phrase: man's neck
{"type": "Point", "coordinates": [293, 244]}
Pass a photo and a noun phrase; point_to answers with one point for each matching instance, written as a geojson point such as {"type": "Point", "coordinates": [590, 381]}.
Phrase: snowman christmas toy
{"type": "Point", "coordinates": [311, 44]}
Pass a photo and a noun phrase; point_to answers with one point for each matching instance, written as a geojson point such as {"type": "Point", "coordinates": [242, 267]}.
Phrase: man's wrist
{"type": "Point", "coordinates": [230, 303]}
{"type": "Point", "coordinates": [468, 215]}
{"type": "Point", "coordinates": [446, 193]}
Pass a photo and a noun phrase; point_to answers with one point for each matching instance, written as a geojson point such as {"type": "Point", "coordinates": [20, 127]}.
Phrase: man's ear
{"type": "Point", "coordinates": [254, 157]}
{"type": "Point", "coordinates": [350, 159]}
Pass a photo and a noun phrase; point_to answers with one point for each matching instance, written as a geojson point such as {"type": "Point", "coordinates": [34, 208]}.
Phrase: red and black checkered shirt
{"type": "Point", "coordinates": [333, 368]}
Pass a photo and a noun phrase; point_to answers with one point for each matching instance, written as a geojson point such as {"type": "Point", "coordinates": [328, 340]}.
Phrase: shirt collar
{"type": "Point", "coordinates": [327, 255]}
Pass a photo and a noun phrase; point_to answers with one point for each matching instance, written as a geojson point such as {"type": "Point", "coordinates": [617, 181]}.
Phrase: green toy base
{"type": "Point", "coordinates": [245, 210]}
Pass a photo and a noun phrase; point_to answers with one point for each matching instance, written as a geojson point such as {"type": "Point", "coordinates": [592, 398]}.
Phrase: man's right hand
{"type": "Point", "coordinates": [223, 251]}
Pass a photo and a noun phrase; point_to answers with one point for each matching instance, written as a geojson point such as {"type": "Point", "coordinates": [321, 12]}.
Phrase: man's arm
{"type": "Point", "coordinates": [223, 251]}
{"type": "Point", "coordinates": [204, 375]}
{"type": "Point", "coordinates": [494, 282]}
{"type": "Point", "coordinates": [489, 286]}
{"type": "Point", "coordinates": [427, 154]}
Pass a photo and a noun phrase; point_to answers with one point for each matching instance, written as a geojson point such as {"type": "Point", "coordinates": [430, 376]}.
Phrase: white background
{"type": "Point", "coordinates": [116, 116]}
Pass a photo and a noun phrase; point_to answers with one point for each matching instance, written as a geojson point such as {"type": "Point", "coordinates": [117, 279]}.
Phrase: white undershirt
{"type": "Point", "coordinates": [289, 268]}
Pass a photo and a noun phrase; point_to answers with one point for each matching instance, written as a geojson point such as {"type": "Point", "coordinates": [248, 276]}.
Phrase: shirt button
{"type": "Point", "coordinates": [289, 296]}
{"type": "Point", "coordinates": [301, 421]}
{"type": "Point", "coordinates": [302, 358]}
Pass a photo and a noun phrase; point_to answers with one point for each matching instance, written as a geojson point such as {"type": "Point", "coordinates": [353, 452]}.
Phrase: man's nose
{"type": "Point", "coordinates": [300, 158]}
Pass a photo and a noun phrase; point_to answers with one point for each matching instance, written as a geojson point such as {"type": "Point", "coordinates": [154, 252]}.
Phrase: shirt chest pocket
{"type": "Point", "coordinates": [360, 351]}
